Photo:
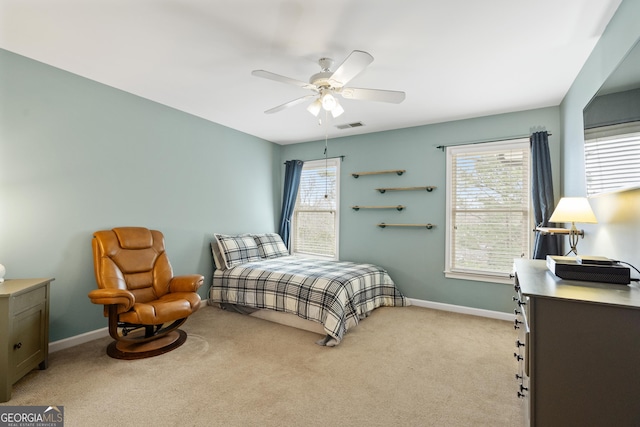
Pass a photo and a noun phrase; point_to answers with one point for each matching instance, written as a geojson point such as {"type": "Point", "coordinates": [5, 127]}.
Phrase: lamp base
{"type": "Point", "coordinates": [574, 234]}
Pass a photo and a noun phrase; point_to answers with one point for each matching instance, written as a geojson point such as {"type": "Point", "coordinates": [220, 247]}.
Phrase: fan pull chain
{"type": "Point", "coordinates": [326, 161]}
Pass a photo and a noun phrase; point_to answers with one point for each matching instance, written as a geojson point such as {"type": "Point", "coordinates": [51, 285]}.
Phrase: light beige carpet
{"type": "Point", "coordinates": [405, 366]}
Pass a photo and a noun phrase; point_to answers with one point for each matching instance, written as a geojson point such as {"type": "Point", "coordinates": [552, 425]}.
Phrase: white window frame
{"type": "Point", "coordinates": [470, 274]}
{"type": "Point", "coordinates": [320, 164]}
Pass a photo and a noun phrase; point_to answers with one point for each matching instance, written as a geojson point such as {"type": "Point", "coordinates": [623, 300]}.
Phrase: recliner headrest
{"type": "Point", "coordinates": [134, 237]}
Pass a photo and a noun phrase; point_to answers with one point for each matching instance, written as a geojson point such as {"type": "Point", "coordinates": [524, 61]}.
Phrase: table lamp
{"type": "Point", "coordinates": [574, 209]}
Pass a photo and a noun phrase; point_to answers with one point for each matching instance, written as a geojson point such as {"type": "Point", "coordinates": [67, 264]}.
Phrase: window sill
{"type": "Point", "coordinates": [479, 277]}
{"type": "Point", "coordinates": [307, 255]}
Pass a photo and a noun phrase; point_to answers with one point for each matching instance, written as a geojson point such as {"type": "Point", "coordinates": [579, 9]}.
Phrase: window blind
{"type": "Point", "coordinates": [315, 217]}
{"type": "Point", "coordinates": [612, 162]}
{"type": "Point", "coordinates": [488, 204]}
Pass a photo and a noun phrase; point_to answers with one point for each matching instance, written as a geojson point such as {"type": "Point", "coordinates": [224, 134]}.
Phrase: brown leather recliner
{"type": "Point", "coordinates": [139, 293]}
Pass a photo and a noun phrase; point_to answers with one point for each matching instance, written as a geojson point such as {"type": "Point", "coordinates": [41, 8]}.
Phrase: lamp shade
{"type": "Point", "coordinates": [573, 209]}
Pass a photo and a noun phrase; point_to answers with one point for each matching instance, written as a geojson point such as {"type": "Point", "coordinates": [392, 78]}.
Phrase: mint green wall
{"type": "Point", "coordinates": [77, 156]}
{"type": "Point", "coordinates": [617, 234]}
{"type": "Point", "coordinates": [415, 257]}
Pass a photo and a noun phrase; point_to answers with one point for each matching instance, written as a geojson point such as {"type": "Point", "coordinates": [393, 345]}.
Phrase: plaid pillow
{"type": "Point", "coordinates": [236, 250]}
{"type": "Point", "coordinates": [270, 245]}
{"type": "Point", "coordinates": [218, 260]}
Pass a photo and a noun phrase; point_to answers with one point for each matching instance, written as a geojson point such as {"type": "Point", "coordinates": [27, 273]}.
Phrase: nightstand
{"type": "Point", "coordinates": [24, 330]}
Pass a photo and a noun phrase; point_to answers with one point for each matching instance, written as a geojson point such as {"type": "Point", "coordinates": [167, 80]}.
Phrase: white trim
{"type": "Point", "coordinates": [479, 277]}
{"type": "Point", "coordinates": [87, 336]}
{"type": "Point", "coordinates": [612, 130]}
{"type": "Point", "coordinates": [506, 144]}
{"type": "Point", "coordinates": [318, 164]}
{"type": "Point", "coordinates": [462, 309]}
{"type": "Point", "coordinates": [78, 339]}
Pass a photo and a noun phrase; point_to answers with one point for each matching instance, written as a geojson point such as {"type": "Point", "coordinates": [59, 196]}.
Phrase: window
{"type": "Point", "coordinates": [488, 209]}
{"type": "Point", "coordinates": [315, 216]}
{"type": "Point", "coordinates": [612, 158]}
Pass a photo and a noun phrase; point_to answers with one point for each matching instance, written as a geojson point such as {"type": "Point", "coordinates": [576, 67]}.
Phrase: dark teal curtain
{"type": "Point", "coordinates": [289, 194]}
{"type": "Point", "coordinates": [542, 195]}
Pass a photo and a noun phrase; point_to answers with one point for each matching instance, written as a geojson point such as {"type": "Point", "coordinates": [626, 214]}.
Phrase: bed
{"type": "Point", "coordinates": [256, 274]}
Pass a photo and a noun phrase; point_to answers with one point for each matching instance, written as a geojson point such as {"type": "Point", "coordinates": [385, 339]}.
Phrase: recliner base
{"type": "Point", "coordinates": [131, 350]}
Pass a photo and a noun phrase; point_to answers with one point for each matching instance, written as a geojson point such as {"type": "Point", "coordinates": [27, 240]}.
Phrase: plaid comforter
{"type": "Point", "coordinates": [335, 293]}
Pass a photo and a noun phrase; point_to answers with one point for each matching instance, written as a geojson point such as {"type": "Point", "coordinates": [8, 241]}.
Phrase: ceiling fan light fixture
{"type": "Point", "coordinates": [327, 84]}
{"type": "Point", "coordinates": [329, 102]}
{"type": "Point", "coordinates": [337, 110]}
{"type": "Point", "coordinates": [314, 107]}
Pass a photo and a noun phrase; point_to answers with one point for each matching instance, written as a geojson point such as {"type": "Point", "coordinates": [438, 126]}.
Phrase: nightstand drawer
{"type": "Point", "coordinates": [29, 299]}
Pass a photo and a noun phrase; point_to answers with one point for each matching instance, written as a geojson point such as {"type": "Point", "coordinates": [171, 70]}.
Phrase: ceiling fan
{"type": "Point", "coordinates": [327, 85]}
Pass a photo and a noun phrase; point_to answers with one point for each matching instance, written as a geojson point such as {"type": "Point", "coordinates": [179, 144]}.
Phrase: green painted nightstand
{"type": "Point", "coordinates": [24, 330]}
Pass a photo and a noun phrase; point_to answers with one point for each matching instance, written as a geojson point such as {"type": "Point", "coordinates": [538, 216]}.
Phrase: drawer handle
{"type": "Point", "coordinates": [516, 323]}
{"type": "Point", "coordinates": [518, 357]}
{"type": "Point", "coordinates": [519, 343]}
{"type": "Point", "coordinates": [521, 395]}
{"type": "Point", "coordinates": [17, 346]}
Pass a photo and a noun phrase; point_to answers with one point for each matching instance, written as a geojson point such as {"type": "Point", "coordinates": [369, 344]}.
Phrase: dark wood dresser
{"type": "Point", "coordinates": [578, 349]}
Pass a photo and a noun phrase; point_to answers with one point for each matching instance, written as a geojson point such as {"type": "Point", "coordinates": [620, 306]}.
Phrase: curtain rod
{"type": "Point", "coordinates": [485, 141]}
{"type": "Point", "coordinates": [312, 160]}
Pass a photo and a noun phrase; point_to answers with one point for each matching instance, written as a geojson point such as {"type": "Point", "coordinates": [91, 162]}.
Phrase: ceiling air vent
{"type": "Point", "coordinates": [350, 125]}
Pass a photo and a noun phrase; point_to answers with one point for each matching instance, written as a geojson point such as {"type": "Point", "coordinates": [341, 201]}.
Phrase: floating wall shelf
{"type": "Point", "coordinates": [428, 188]}
{"type": "Point", "coordinates": [396, 171]}
{"type": "Point", "coordinates": [399, 207]}
{"type": "Point", "coordinates": [427, 226]}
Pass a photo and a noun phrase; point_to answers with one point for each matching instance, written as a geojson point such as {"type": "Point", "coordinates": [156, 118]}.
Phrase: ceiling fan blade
{"type": "Point", "coordinates": [288, 104]}
{"type": "Point", "coordinates": [282, 79]}
{"type": "Point", "coordinates": [392, 96]}
{"type": "Point", "coordinates": [355, 63]}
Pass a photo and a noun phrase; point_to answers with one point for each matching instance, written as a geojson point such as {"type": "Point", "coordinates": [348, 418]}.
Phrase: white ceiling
{"type": "Point", "coordinates": [455, 59]}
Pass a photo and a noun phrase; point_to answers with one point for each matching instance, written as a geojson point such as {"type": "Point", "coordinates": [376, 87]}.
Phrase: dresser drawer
{"type": "Point", "coordinates": [521, 353]}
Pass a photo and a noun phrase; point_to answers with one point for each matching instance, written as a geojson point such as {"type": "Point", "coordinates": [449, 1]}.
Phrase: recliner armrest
{"type": "Point", "coordinates": [121, 297]}
{"type": "Point", "coordinates": [186, 283]}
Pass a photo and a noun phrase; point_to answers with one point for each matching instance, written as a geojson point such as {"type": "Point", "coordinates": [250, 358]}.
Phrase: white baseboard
{"type": "Point", "coordinates": [78, 339]}
{"type": "Point", "coordinates": [462, 309]}
{"type": "Point", "coordinates": [86, 337]}
{"type": "Point", "coordinates": [104, 332]}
